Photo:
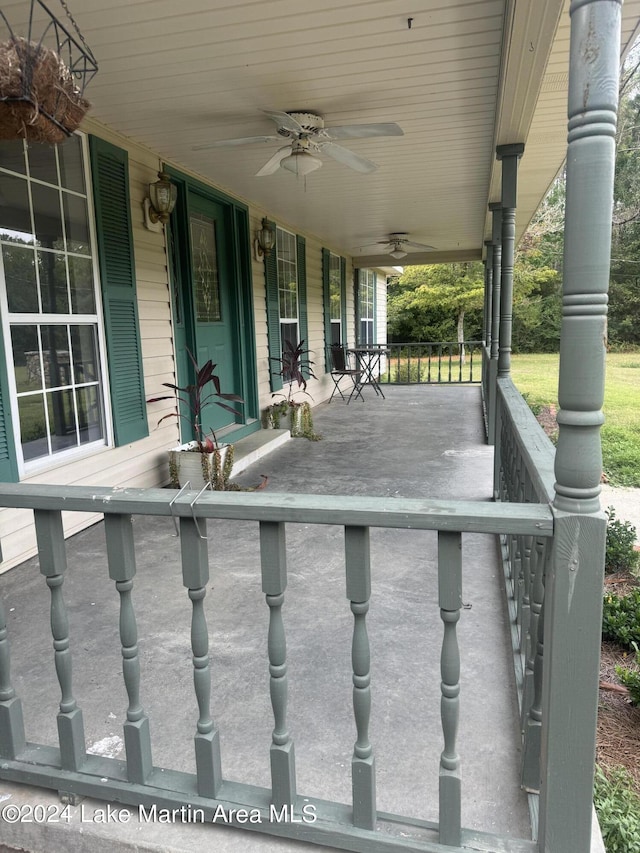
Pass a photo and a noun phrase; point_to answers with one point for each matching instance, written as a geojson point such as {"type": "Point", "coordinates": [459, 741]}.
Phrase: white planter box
{"type": "Point", "coordinates": [187, 464]}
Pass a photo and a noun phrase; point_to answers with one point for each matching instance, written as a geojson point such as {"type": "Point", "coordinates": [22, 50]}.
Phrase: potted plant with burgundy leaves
{"type": "Point", "coordinates": [203, 461]}
{"type": "Point", "coordinates": [294, 364]}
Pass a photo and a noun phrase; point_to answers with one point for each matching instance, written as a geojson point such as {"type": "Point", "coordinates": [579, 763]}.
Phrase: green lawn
{"type": "Point", "coordinates": [536, 376]}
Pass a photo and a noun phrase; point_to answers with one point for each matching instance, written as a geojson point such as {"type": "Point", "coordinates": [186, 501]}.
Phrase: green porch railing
{"type": "Point", "coordinates": [523, 473]}
{"type": "Point", "coordinates": [440, 362]}
{"type": "Point", "coordinates": [359, 826]}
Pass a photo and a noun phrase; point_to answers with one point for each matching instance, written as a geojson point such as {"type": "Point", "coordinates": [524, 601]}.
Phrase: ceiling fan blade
{"type": "Point", "coordinates": [284, 120]}
{"type": "Point", "coordinates": [242, 140]}
{"type": "Point", "coordinates": [417, 245]}
{"type": "Point", "coordinates": [348, 158]}
{"type": "Point", "coordinates": [359, 131]}
{"type": "Point", "coordinates": [273, 163]}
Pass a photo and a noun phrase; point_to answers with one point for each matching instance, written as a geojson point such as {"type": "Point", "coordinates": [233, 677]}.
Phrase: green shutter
{"type": "Point", "coordinates": [326, 300]}
{"type": "Point", "coordinates": [109, 166]}
{"type": "Point", "coordinates": [301, 254]}
{"type": "Point", "coordinates": [343, 299]}
{"type": "Point", "coordinates": [8, 461]}
{"type": "Point", "coordinates": [273, 314]}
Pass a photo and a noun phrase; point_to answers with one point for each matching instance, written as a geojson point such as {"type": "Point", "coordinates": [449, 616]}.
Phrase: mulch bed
{"type": "Point", "coordinates": [618, 740]}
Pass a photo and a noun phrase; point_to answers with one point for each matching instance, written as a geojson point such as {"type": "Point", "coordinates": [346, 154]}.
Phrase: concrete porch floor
{"type": "Point", "coordinates": [419, 442]}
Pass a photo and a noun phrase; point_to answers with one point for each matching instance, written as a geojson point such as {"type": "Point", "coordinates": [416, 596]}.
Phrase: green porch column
{"type": "Point", "coordinates": [488, 291]}
{"type": "Point", "coordinates": [509, 155]}
{"type": "Point", "coordinates": [486, 327]}
{"type": "Point", "coordinates": [573, 605]}
{"type": "Point", "coordinates": [496, 241]}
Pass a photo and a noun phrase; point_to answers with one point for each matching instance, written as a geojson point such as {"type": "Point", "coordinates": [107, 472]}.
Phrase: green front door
{"type": "Point", "coordinates": [211, 309]}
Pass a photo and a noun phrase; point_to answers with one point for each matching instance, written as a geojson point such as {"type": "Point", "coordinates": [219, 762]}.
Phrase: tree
{"type": "Point", "coordinates": [430, 303]}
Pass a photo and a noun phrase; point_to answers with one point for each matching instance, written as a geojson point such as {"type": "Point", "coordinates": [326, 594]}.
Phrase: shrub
{"type": "Point", "coordinates": [631, 678]}
{"type": "Point", "coordinates": [618, 809]}
{"type": "Point", "coordinates": [621, 618]}
{"type": "Point", "coordinates": [621, 538]}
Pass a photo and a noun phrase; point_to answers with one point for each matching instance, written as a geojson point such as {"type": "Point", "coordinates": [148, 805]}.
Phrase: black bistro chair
{"type": "Point", "coordinates": [339, 369]}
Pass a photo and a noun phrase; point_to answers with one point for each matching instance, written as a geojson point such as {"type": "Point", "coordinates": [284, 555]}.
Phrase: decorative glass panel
{"type": "Point", "coordinates": [205, 269]}
{"type": "Point", "coordinates": [20, 278]}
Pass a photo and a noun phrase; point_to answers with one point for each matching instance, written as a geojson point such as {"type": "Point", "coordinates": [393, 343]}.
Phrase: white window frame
{"type": "Point", "coordinates": [367, 284]}
{"type": "Point", "coordinates": [280, 262]}
{"type": "Point", "coordinates": [62, 457]}
{"type": "Point", "coordinates": [335, 281]}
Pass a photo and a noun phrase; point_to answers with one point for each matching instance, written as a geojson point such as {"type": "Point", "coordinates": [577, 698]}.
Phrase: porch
{"type": "Point", "coordinates": [411, 455]}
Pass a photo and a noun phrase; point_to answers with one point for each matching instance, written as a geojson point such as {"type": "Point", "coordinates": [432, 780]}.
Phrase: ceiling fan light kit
{"type": "Point", "coordinates": [306, 132]}
{"type": "Point", "coordinates": [300, 162]}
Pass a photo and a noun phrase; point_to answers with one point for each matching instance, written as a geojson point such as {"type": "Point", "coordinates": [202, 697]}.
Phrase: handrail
{"type": "Point", "coordinates": [410, 513]}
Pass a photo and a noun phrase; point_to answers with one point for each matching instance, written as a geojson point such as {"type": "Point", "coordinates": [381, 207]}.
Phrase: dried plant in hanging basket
{"type": "Point", "coordinates": [39, 98]}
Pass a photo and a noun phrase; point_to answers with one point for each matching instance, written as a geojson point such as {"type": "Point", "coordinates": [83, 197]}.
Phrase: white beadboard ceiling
{"type": "Point", "coordinates": [463, 78]}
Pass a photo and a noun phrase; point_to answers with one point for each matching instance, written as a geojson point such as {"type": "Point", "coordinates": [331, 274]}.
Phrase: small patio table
{"type": "Point", "coordinates": [368, 359]}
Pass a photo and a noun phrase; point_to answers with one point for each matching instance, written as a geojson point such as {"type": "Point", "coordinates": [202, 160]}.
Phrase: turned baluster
{"type": "Point", "coordinates": [12, 738]}
{"type": "Point", "coordinates": [450, 601]}
{"type": "Point", "coordinates": [53, 564]}
{"type": "Point", "coordinates": [195, 576]}
{"type": "Point", "coordinates": [363, 768]}
{"type": "Point", "coordinates": [274, 583]}
{"type": "Point", "coordinates": [122, 569]}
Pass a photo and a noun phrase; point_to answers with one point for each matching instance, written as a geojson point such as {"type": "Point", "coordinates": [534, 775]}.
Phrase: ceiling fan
{"type": "Point", "coordinates": [397, 245]}
{"type": "Point", "coordinates": [307, 134]}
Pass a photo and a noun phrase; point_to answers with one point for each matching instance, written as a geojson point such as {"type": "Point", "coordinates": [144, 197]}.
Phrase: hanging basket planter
{"type": "Point", "coordinates": [43, 78]}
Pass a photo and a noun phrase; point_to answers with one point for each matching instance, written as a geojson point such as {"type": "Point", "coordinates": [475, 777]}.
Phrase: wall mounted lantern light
{"type": "Point", "coordinates": [160, 202]}
{"type": "Point", "coordinates": [265, 241]}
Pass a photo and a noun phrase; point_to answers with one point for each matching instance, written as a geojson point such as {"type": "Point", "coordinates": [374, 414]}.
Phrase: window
{"type": "Point", "coordinates": [285, 273]}
{"type": "Point", "coordinates": [335, 299]}
{"type": "Point", "coordinates": [366, 307]}
{"type": "Point", "coordinates": [287, 287]}
{"type": "Point", "coordinates": [51, 325]}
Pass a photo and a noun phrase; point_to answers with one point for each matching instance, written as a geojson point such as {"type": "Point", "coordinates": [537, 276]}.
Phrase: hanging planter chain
{"type": "Point", "coordinates": [42, 88]}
